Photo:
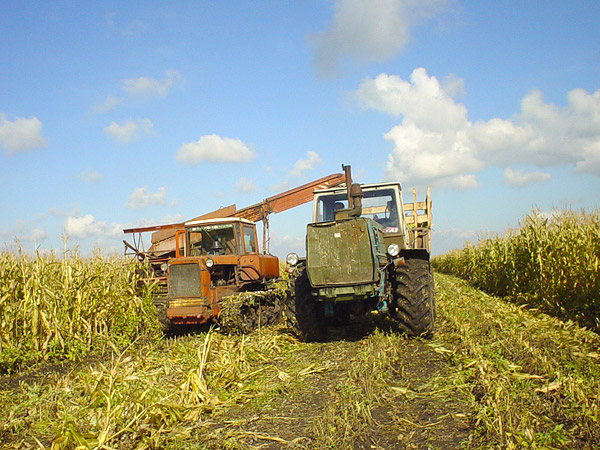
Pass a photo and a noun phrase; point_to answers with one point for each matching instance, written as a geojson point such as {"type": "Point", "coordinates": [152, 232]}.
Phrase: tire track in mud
{"type": "Point", "coordinates": [362, 389]}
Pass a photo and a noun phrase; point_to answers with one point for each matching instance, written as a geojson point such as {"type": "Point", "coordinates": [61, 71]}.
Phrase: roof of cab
{"type": "Point", "coordinates": [364, 187]}
{"type": "Point", "coordinates": [218, 220]}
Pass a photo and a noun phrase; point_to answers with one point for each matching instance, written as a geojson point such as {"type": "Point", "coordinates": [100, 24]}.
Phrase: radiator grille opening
{"type": "Point", "coordinates": [184, 280]}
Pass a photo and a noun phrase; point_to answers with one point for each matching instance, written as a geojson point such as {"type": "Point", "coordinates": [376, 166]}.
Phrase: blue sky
{"type": "Point", "coordinates": [121, 114]}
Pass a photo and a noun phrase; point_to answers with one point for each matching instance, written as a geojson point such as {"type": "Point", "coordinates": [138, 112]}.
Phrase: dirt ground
{"type": "Point", "coordinates": [335, 402]}
{"type": "Point", "coordinates": [366, 387]}
{"type": "Point", "coordinates": [422, 412]}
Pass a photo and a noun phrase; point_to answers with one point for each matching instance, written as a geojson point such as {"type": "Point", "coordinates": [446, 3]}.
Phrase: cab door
{"type": "Point", "coordinates": [253, 265]}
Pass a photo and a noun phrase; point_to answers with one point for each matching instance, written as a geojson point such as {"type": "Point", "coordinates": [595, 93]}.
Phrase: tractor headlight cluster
{"type": "Point", "coordinates": [393, 250]}
{"type": "Point", "coordinates": [164, 267]}
{"type": "Point", "coordinates": [209, 263]}
{"type": "Point", "coordinates": [292, 259]}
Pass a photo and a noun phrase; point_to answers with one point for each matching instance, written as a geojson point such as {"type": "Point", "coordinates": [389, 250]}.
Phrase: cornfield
{"type": "Point", "coordinates": [550, 262]}
{"type": "Point", "coordinates": [55, 308]}
{"type": "Point", "coordinates": [494, 375]}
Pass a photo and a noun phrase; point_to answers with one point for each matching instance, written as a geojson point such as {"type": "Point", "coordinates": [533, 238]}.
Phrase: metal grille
{"type": "Point", "coordinates": [184, 280]}
{"type": "Point", "coordinates": [340, 253]}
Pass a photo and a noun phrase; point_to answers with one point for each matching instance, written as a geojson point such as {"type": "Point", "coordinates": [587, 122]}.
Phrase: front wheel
{"type": "Point", "coordinates": [413, 303]}
{"type": "Point", "coordinates": [304, 314]}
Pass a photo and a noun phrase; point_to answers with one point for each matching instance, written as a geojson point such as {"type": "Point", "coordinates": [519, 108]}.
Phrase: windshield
{"type": "Point", "coordinates": [216, 239]}
{"type": "Point", "coordinates": [249, 239]}
{"type": "Point", "coordinates": [379, 205]}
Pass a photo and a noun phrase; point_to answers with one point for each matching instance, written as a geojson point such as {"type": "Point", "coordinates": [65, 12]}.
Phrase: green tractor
{"type": "Point", "coordinates": [366, 251]}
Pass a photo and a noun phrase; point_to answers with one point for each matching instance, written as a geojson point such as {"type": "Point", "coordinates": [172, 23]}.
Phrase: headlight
{"type": "Point", "coordinates": [209, 263]}
{"type": "Point", "coordinates": [393, 250]}
{"type": "Point", "coordinates": [292, 259]}
{"type": "Point", "coordinates": [164, 267]}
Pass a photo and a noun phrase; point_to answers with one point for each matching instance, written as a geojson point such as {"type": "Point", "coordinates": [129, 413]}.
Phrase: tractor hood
{"type": "Point", "coordinates": [343, 252]}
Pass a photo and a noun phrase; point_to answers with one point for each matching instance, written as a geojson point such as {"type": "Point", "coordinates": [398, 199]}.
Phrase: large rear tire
{"type": "Point", "coordinates": [305, 315]}
{"type": "Point", "coordinates": [413, 304]}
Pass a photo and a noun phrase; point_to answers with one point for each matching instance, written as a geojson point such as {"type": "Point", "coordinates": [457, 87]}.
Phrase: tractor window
{"type": "Point", "coordinates": [379, 205]}
{"type": "Point", "coordinates": [249, 239]}
{"type": "Point", "coordinates": [218, 239]}
{"type": "Point", "coordinates": [328, 204]}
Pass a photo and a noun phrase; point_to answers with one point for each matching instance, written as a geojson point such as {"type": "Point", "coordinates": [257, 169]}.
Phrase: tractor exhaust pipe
{"type": "Point", "coordinates": [354, 194]}
{"type": "Point", "coordinates": [348, 174]}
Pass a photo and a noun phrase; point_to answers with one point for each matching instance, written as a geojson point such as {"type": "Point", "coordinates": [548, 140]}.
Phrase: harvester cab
{"type": "Point", "coordinates": [220, 258]}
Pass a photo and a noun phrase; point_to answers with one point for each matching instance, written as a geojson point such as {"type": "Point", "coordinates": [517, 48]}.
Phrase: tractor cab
{"type": "Point", "coordinates": [380, 202]}
{"type": "Point", "coordinates": [220, 237]}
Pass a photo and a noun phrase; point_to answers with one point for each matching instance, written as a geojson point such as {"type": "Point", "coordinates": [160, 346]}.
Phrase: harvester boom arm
{"type": "Point", "coordinates": [288, 199]}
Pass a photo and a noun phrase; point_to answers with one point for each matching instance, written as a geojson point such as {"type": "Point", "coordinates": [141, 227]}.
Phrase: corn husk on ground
{"type": "Point", "coordinates": [246, 311]}
{"type": "Point", "coordinates": [494, 376]}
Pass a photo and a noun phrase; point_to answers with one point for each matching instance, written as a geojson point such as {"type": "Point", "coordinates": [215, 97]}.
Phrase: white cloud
{"type": "Point", "coordinates": [590, 159]}
{"type": "Point", "coordinates": [166, 219]}
{"type": "Point", "coordinates": [279, 187]}
{"type": "Point", "coordinates": [38, 234]}
{"type": "Point", "coordinates": [23, 232]}
{"type": "Point", "coordinates": [281, 245]}
{"type": "Point", "coordinates": [89, 176]}
{"type": "Point", "coordinates": [303, 165]}
{"type": "Point", "coordinates": [142, 198]}
{"type": "Point", "coordinates": [298, 170]}
{"type": "Point", "coordinates": [173, 218]}
{"type": "Point", "coordinates": [551, 215]}
{"type": "Point", "coordinates": [111, 102]}
{"type": "Point", "coordinates": [369, 30]}
{"type": "Point", "coordinates": [82, 227]}
{"type": "Point", "coordinates": [214, 148]}
{"type": "Point", "coordinates": [61, 214]}
{"type": "Point", "coordinates": [21, 134]}
{"type": "Point", "coordinates": [244, 185]}
{"type": "Point", "coordinates": [141, 87]}
{"type": "Point", "coordinates": [421, 101]}
{"type": "Point", "coordinates": [454, 86]}
{"type": "Point", "coordinates": [421, 156]}
{"type": "Point", "coordinates": [464, 182]}
{"type": "Point", "coordinates": [151, 87]}
{"type": "Point", "coordinates": [519, 179]}
{"type": "Point", "coordinates": [129, 130]}
{"type": "Point", "coordinates": [436, 144]}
